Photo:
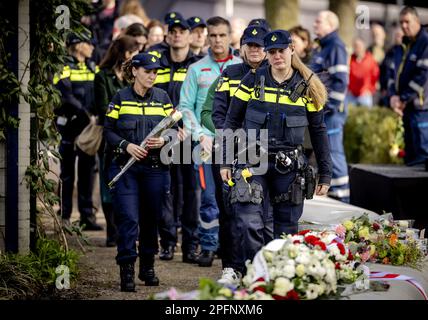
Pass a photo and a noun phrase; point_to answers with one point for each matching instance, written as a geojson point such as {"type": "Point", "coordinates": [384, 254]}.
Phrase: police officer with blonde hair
{"type": "Point", "coordinates": [283, 98]}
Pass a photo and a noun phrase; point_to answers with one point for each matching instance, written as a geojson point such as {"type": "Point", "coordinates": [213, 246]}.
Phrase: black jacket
{"type": "Point", "coordinates": [76, 84]}
{"type": "Point", "coordinates": [284, 119]}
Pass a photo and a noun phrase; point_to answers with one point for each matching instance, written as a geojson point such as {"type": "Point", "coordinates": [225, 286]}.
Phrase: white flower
{"type": "Point", "coordinates": [282, 286]}
{"type": "Point", "coordinates": [300, 270]}
{"type": "Point", "coordinates": [289, 271]}
{"type": "Point", "coordinates": [312, 291]}
{"type": "Point", "coordinates": [319, 254]}
{"type": "Point", "coordinates": [303, 258]}
{"type": "Point", "coordinates": [293, 250]}
{"type": "Point", "coordinates": [268, 255]}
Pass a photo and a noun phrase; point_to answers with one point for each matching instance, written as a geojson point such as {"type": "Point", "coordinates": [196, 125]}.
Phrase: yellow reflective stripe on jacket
{"type": "Point", "coordinates": [131, 110]}
{"type": "Point", "coordinates": [246, 88]}
{"type": "Point", "coordinates": [132, 103]}
{"type": "Point", "coordinates": [224, 86]}
{"type": "Point", "coordinates": [162, 78]}
{"type": "Point", "coordinates": [64, 74]}
{"type": "Point", "coordinates": [311, 107]}
{"type": "Point", "coordinates": [82, 76]}
{"type": "Point", "coordinates": [242, 95]}
{"type": "Point", "coordinates": [113, 114]}
{"type": "Point", "coordinates": [154, 111]}
{"type": "Point", "coordinates": [168, 111]}
{"type": "Point", "coordinates": [179, 76]}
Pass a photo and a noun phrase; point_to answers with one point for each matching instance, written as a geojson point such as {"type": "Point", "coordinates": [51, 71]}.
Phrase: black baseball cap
{"type": "Point", "coordinates": [261, 23]}
{"type": "Point", "coordinates": [254, 34]}
{"type": "Point", "coordinates": [277, 39]}
{"type": "Point", "coordinates": [172, 16]}
{"type": "Point", "coordinates": [74, 38]}
{"type": "Point", "coordinates": [146, 60]}
{"type": "Point", "coordinates": [178, 22]}
{"type": "Point", "coordinates": [195, 22]}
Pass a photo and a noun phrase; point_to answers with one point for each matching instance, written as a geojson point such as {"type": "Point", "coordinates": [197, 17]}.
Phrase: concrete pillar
{"type": "Point", "coordinates": [24, 127]}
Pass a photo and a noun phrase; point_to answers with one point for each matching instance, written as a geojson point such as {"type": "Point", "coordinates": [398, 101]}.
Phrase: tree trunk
{"type": "Point", "coordinates": [282, 14]}
{"type": "Point", "coordinates": [345, 10]}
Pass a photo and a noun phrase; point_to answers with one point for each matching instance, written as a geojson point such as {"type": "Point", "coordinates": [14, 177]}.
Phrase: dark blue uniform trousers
{"type": "Point", "coordinates": [137, 201]}
{"type": "Point", "coordinates": [85, 180]}
{"type": "Point", "coordinates": [182, 204]}
{"type": "Point", "coordinates": [415, 124]}
{"type": "Point", "coordinates": [248, 218]}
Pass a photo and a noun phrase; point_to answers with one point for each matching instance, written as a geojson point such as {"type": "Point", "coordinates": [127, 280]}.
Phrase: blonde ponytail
{"type": "Point", "coordinates": [316, 91]}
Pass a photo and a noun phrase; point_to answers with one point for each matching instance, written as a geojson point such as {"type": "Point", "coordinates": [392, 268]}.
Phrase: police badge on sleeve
{"type": "Point", "coordinates": [110, 108]}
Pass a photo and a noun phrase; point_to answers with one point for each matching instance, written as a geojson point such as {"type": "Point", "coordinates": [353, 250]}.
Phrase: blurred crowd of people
{"type": "Point", "coordinates": [198, 65]}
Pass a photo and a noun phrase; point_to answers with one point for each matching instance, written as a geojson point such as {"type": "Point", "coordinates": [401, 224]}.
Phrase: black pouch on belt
{"type": "Point", "coordinates": [297, 190]}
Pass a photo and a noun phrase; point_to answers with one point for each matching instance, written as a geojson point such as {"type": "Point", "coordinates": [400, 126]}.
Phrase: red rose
{"type": "Point", "coordinates": [260, 288]}
{"type": "Point", "coordinates": [303, 232]}
{"type": "Point", "coordinates": [260, 279]}
{"type": "Point", "coordinates": [376, 226]}
{"type": "Point", "coordinates": [321, 245]}
{"type": "Point", "coordinates": [292, 295]}
{"type": "Point", "coordinates": [296, 242]}
{"type": "Point", "coordinates": [350, 256]}
{"type": "Point", "coordinates": [341, 248]}
{"type": "Point", "coordinates": [337, 266]}
{"type": "Point", "coordinates": [311, 239]}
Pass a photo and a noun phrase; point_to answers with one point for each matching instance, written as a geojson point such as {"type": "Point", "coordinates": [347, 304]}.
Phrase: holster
{"type": "Point", "coordinates": [246, 192]}
{"type": "Point", "coordinates": [310, 182]}
{"type": "Point", "coordinates": [297, 190]}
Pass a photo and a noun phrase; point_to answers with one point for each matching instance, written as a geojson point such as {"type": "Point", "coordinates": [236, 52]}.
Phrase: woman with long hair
{"type": "Point", "coordinates": [283, 98]}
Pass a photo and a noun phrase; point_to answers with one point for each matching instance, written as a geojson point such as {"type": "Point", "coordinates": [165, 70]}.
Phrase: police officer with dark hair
{"type": "Point", "coordinates": [139, 193]}
{"type": "Point", "coordinates": [283, 98]}
{"type": "Point", "coordinates": [174, 65]}
{"type": "Point", "coordinates": [76, 84]}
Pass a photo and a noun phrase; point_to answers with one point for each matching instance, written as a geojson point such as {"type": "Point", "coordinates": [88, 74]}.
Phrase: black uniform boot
{"type": "Point", "coordinates": [147, 271]}
{"type": "Point", "coordinates": [127, 274]}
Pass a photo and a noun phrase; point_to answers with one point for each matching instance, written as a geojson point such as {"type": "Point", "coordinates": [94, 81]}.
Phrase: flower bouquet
{"type": "Point", "coordinates": [308, 265]}
{"type": "Point", "coordinates": [379, 241]}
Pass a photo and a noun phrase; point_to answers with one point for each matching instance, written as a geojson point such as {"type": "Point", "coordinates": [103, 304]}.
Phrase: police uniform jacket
{"type": "Point", "coordinates": [330, 63]}
{"type": "Point", "coordinates": [269, 107]}
{"type": "Point", "coordinates": [226, 88]}
{"type": "Point", "coordinates": [130, 117]}
{"type": "Point", "coordinates": [170, 78]}
{"type": "Point", "coordinates": [76, 84]}
{"type": "Point", "coordinates": [408, 71]}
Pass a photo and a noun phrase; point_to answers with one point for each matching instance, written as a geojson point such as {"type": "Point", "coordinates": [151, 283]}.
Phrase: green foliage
{"type": "Point", "coordinates": [370, 134]}
{"type": "Point", "coordinates": [47, 57]}
{"type": "Point", "coordinates": [28, 277]}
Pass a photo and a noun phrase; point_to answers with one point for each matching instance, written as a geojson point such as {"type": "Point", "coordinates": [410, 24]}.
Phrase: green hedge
{"type": "Point", "coordinates": [370, 133]}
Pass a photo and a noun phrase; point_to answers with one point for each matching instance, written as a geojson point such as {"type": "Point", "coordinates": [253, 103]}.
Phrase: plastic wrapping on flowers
{"type": "Point", "coordinates": [380, 241]}
{"type": "Point", "coordinates": [308, 265]}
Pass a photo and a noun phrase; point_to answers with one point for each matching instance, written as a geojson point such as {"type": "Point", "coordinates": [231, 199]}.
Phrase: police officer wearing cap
{"type": "Point", "coordinates": [283, 98]}
{"type": "Point", "coordinates": [198, 33]}
{"type": "Point", "coordinates": [76, 84]}
{"type": "Point", "coordinates": [174, 65]}
{"type": "Point", "coordinates": [262, 23]}
{"type": "Point", "coordinates": [254, 57]}
{"type": "Point", "coordinates": [137, 197]}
